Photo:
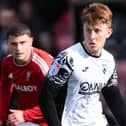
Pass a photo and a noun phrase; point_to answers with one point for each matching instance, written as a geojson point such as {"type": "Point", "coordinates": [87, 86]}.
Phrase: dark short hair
{"type": "Point", "coordinates": [18, 29]}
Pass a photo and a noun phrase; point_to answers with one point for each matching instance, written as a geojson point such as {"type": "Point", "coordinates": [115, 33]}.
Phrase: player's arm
{"type": "Point", "coordinates": [47, 103]}
{"type": "Point", "coordinates": [1, 123]}
{"type": "Point", "coordinates": [115, 100]}
{"type": "Point", "coordinates": [5, 92]}
{"type": "Point", "coordinates": [57, 76]}
{"type": "Point", "coordinates": [33, 115]}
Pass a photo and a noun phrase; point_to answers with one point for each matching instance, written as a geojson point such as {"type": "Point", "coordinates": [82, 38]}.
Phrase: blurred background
{"type": "Point", "coordinates": [56, 25]}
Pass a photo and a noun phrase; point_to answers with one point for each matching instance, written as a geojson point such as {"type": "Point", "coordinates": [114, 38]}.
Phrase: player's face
{"type": "Point", "coordinates": [20, 48]}
{"type": "Point", "coordinates": [95, 37]}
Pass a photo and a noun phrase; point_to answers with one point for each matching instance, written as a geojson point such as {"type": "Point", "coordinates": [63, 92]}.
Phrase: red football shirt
{"type": "Point", "coordinates": [27, 80]}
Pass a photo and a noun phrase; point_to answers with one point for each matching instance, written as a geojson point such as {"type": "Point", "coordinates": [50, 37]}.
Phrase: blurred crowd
{"type": "Point", "coordinates": [53, 24]}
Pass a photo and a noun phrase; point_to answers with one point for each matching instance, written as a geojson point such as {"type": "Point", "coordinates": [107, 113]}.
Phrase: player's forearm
{"type": "Point", "coordinates": [5, 96]}
{"type": "Point", "coordinates": [33, 115]}
{"type": "Point", "coordinates": [116, 104]}
{"type": "Point", "coordinates": [2, 123]}
{"type": "Point", "coordinates": [47, 104]}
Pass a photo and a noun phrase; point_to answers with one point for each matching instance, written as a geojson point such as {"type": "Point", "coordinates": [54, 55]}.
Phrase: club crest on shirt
{"type": "Point", "coordinates": [10, 76]}
{"type": "Point", "coordinates": [28, 74]}
{"type": "Point", "coordinates": [104, 68]}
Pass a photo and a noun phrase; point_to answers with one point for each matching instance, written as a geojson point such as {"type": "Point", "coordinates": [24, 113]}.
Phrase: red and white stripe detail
{"type": "Point", "coordinates": [41, 63]}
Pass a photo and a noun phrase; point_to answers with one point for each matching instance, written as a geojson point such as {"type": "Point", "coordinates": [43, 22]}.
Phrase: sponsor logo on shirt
{"type": "Point", "coordinates": [25, 88]}
{"type": "Point", "coordinates": [91, 88]}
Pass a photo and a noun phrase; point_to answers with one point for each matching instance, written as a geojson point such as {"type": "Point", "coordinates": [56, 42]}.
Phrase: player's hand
{"type": "Point", "coordinates": [1, 123]}
{"type": "Point", "coordinates": [15, 117]}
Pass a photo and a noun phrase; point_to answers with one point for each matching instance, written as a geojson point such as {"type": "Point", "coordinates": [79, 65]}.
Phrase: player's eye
{"type": "Point", "coordinates": [22, 42]}
{"type": "Point", "coordinates": [13, 43]}
{"type": "Point", "coordinates": [88, 30]}
{"type": "Point", "coordinates": [97, 30]}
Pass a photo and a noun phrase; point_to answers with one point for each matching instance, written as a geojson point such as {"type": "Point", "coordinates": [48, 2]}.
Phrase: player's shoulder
{"type": "Point", "coordinates": [107, 55]}
{"type": "Point", "coordinates": [41, 53]}
{"type": "Point", "coordinates": [8, 59]}
{"type": "Point", "coordinates": [72, 49]}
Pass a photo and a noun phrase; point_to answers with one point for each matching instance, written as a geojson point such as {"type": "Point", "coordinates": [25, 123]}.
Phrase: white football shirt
{"type": "Point", "coordinates": [86, 76]}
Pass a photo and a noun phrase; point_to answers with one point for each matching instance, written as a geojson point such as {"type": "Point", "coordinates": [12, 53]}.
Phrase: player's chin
{"type": "Point", "coordinates": [19, 60]}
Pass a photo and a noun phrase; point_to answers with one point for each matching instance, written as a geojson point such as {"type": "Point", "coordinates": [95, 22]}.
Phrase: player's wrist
{"type": "Point", "coordinates": [2, 123]}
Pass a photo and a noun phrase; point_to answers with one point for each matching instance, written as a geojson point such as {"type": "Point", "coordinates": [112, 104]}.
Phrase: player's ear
{"type": "Point", "coordinates": [31, 40]}
{"type": "Point", "coordinates": [109, 33]}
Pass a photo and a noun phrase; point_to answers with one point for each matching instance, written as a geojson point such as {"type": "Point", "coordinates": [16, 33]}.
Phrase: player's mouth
{"type": "Point", "coordinates": [19, 54]}
{"type": "Point", "coordinates": [92, 44]}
